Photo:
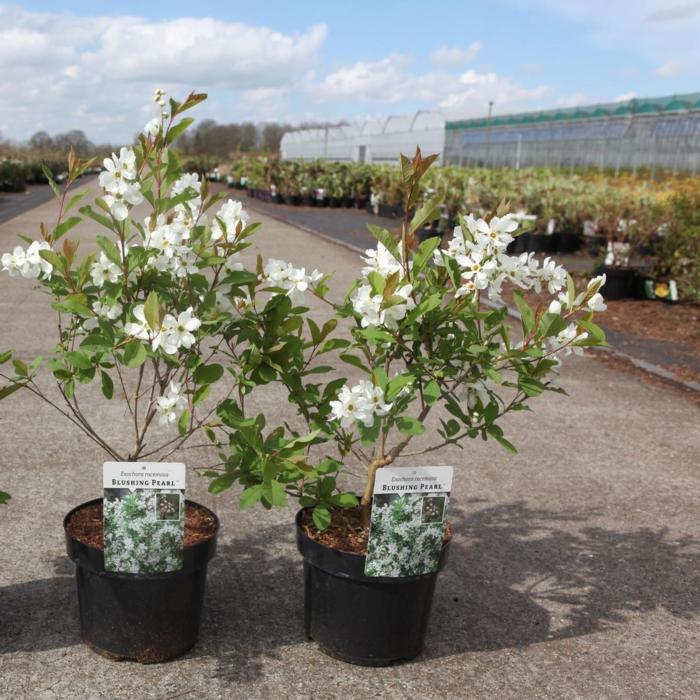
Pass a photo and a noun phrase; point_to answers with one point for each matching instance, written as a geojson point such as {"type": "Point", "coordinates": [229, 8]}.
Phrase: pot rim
{"type": "Point", "coordinates": [93, 501]}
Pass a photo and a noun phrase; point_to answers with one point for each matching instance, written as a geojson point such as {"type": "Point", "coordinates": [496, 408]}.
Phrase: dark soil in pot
{"type": "Point", "coordinates": [363, 620]}
{"type": "Point", "coordinates": [566, 242]}
{"type": "Point", "coordinates": [141, 617]}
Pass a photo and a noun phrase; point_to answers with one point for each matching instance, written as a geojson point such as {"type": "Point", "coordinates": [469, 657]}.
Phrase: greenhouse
{"type": "Point", "coordinates": [371, 141]}
{"type": "Point", "coordinates": [639, 133]}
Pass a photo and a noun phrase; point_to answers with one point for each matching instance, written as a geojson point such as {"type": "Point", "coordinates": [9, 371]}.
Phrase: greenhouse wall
{"type": "Point", "coordinates": [661, 133]}
{"type": "Point", "coordinates": [373, 141]}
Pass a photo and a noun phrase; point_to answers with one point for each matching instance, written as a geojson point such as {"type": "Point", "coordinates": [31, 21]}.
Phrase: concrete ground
{"type": "Point", "coordinates": [574, 571]}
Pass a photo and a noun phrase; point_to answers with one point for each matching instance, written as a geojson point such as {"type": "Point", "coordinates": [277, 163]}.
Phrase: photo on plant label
{"type": "Point", "coordinates": [168, 506]}
{"type": "Point", "coordinates": [138, 540]}
{"type": "Point", "coordinates": [433, 509]}
{"type": "Point", "coordinates": [405, 539]}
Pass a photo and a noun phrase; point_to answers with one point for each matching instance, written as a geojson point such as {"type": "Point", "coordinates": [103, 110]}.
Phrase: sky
{"type": "Point", "coordinates": [94, 65]}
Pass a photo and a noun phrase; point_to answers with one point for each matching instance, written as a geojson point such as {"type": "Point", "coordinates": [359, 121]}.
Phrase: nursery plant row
{"type": "Point", "coordinates": [641, 225]}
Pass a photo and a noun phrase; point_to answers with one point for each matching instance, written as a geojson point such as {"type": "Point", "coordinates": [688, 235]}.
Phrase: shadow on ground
{"type": "Point", "coordinates": [516, 576]}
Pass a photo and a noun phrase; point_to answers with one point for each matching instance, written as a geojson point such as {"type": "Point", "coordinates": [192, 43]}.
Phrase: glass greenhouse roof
{"type": "Point", "coordinates": [665, 105]}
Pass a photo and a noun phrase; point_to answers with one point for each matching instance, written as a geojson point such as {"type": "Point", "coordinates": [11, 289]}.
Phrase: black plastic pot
{"type": "Point", "coordinates": [363, 620]}
{"type": "Point", "coordinates": [620, 283]}
{"type": "Point", "coordinates": [147, 618]}
{"type": "Point", "coordinates": [423, 234]}
{"type": "Point", "coordinates": [387, 211]}
{"type": "Point", "coordinates": [308, 201]}
{"type": "Point", "coordinates": [566, 242]}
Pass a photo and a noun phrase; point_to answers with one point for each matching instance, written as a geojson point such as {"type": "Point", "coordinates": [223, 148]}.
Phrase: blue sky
{"type": "Point", "coordinates": [94, 65]}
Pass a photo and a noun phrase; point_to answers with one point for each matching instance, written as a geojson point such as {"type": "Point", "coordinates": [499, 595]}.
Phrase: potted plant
{"type": "Point", "coordinates": [416, 329]}
{"type": "Point", "coordinates": [148, 318]}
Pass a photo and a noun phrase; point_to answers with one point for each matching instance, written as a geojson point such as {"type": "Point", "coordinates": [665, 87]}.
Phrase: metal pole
{"type": "Point", "coordinates": [518, 151]}
{"type": "Point", "coordinates": [488, 143]}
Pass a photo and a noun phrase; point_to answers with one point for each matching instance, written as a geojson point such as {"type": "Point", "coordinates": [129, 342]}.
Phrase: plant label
{"type": "Point", "coordinates": [409, 514]}
{"type": "Point", "coordinates": [144, 516]}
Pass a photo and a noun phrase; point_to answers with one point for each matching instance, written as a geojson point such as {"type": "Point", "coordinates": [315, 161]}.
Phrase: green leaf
{"type": "Point", "coordinates": [424, 253]}
{"type": "Point", "coordinates": [4, 497]}
{"type": "Point", "coordinates": [110, 249]}
{"type": "Point", "coordinates": [79, 360]}
{"type": "Point", "coordinates": [21, 368]}
{"type": "Point", "coordinates": [134, 353]}
{"type": "Point", "coordinates": [71, 306]}
{"type": "Point", "coordinates": [249, 497]}
{"type": "Point", "coordinates": [238, 278]}
{"type": "Point", "coordinates": [96, 341]}
{"type": "Point", "coordinates": [354, 361]}
{"type": "Point", "coordinates": [5, 356]}
{"type": "Point", "coordinates": [176, 130]}
{"type": "Point", "coordinates": [99, 218]}
{"type": "Point", "coordinates": [387, 239]}
{"type": "Point", "coordinates": [75, 199]}
{"type": "Point", "coordinates": [430, 211]}
{"type": "Point", "coordinates": [49, 177]}
{"type": "Point", "coordinates": [321, 517]}
{"type": "Point", "coordinates": [221, 483]}
{"type": "Point", "coordinates": [107, 385]}
{"type": "Point", "coordinates": [151, 310]}
{"type": "Point", "coordinates": [431, 392]}
{"type": "Point", "coordinates": [65, 226]}
{"type": "Point", "coordinates": [201, 394]}
{"type": "Point", "coordinates": [208, 374]}
{"type": "Point", "coordinates": [9, 390]}
{"type": "Point", "coordinates": [527, 318]}
{"type": "Point", "coordinates": [344, 500]}
{"type": "Point", "coordinates": [183, 423]}
{"type": "Point", "coordinates": [410, 426]}
{"type": "Point", "coordinates": [396, 384]}
{"type": "Point", "coordinates": [58, 261]}
{"type": "Point", "coordinates": [277, 495]}
{"type": "Point", "coordinates": [505, 443]}
{"type": "Point", "coordinates": [530, 386]}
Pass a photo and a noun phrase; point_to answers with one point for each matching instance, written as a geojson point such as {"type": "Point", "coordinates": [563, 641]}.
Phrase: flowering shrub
{"type": "Point", "coordinates": [417, 327]}
{"type": "Point", "coordinates": [135, 541]}
{"type": "Point", "coordinates": [153, 315]}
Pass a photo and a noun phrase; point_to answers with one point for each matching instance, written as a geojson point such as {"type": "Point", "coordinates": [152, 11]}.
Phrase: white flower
{"type": "Point", "coordinates": [177, 332]}
{"type": "Point", "coordinates": [187, 180]}
{"type": "Point", "coordinates": [352, 406]}
{"type": "Point", "coordinates": [597, 282]}
{"type": "Point", "coordinates": [597, 303]}
{"type": "Point", "coordinates": [373, 311]}
{"type": "Point", "coordinates": [151, 129]}
{"type": "Point", "coordinates": [141, 329]}
{"type": "Point", "coordinates": [118, 202]}
{"type": "Point", "coordinates": [27, 263]}
{"type": "Point", "coordinates": [171, 405]}
{"type": "Point", "coordinates": [477, 391]}
{"type": "Point", "coordinates": [233, 263]}
{"type": "Point", "coordinates": [110, 312]}
{"type": "Point", "coordinates": [279, 273]}
{"type": "Point", "coordinates": [118, 170]}
{"type": "Point", "coordinates": [493, 236]}
{"type": "Point", "coordinates": [553, 275]}
{"type": "Point", "coordinates": [566, 339]}
{"type": "Point", "coordinates": [476, 268]}
{"type": "Point", "coordinates": [375, 396]}
{"type": "Point", "coordinates": [381, 261]}
{"type": "Point", "coordinates": [104, 270]}
{"type": "Point", "coordinates": [554, 307]}
{"type": "Point", "coordinates": [234, 219]}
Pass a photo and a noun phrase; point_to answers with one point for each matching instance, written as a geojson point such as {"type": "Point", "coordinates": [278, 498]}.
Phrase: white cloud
{"type": "Point", "coordinates": [391, 81]}
{"type": "Point", "coordinates": [626, 97]}
{"type": "Point", "coordinates": [450, 57]}
{"type": "Point", "coordinates": [574, 100]}
{"type": "Point", "coordinates": [59, 71]}
{"type": "Point", "coordinates": [669, 69]}
{"type": "Point", "coordinates": [674, 13]}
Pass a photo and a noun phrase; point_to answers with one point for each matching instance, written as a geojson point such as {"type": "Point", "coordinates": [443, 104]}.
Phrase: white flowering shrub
{"type": "Point", "coordinates": [428, 329]}
{"type": "Point", "coordinates": [156, 312]}
{"type": "Point", "coordinates": [402, 544]}
{"type": "Point", "coordinates": [137, 539]}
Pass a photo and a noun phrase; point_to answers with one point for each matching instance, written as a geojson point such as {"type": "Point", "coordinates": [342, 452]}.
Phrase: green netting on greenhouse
{"type": "Point", "coordinates": [671, 103]}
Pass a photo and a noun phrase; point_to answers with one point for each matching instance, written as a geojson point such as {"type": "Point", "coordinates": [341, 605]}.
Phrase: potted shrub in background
{"type": "Point", "coordinates": [145, 318]}
{"type": "Point", "coordinates": [416, 330]}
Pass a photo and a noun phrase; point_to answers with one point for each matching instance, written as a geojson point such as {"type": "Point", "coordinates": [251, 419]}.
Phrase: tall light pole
{"type": "Point", "coordinates": [488, 133]}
